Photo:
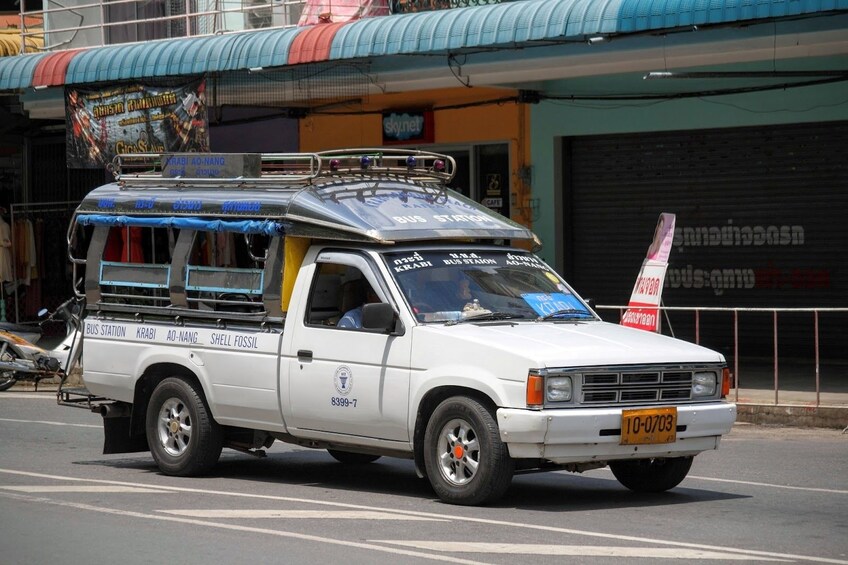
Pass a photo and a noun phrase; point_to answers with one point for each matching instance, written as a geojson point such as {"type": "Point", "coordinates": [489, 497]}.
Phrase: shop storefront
{"type": "Point", "coordinates": [759, 196]}
{"type": "Point", "coordinates": [487, 140]}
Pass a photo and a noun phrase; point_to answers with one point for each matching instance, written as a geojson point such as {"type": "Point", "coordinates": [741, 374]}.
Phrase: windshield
{"type": "Point", "coordinates": [449, 286]}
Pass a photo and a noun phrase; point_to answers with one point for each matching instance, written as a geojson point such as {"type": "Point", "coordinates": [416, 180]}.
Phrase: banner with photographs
{"type": "Point", "coordinates": [134, 119]}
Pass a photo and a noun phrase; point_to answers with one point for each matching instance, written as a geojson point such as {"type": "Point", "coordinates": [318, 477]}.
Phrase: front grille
{"type": "Point", "coordinates": [636, 386]}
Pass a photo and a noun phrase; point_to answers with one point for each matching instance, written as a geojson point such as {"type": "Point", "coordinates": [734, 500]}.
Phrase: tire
{"type": "Point", "coordinates": [8, 378]}
{"type": "Point", "coordinates": [183, 437]}
{"type": "Point", "coordinates": [350, 458]}
{"type": "Point", "coordinates": [651, 475]}
{"type": "Point", "coordinates": [466, 461]}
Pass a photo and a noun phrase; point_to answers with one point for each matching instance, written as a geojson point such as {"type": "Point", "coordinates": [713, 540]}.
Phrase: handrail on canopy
{"type": "Point", "coordinates": [277, 169]}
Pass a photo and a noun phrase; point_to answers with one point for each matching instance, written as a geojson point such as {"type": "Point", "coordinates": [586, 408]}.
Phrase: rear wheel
{"type": "Point", "coordinates": [183, 437]}
{"type": "Point", "coordinates": [651, 475]}
{"type": "Point", "coordinates": [466, 461]}
{"type": "Point", "coordinates": [352, 458]}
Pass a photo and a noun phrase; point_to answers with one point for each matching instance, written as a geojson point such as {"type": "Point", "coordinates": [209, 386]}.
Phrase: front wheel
{"type": "Point", "coordinates": [651, 475]}
{"type": "Point", "coordinates": [183, 437]}
{"type": "Point", "coordinates": [466, 461]}
{"type": "Point", "coordinates": [7, 378]}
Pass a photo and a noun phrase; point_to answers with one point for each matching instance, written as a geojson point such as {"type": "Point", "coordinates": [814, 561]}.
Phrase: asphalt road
{"type": "Point", "coordinates": [767, 495]}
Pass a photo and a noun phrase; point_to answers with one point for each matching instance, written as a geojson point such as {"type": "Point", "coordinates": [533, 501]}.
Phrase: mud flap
{"type": "Point", "coordinates": [118, 436]}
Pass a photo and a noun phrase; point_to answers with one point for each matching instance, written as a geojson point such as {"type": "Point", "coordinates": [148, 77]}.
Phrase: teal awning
{"type": "Point", "coordinates": [509, 25]}
{"type": "Point", "coordinates": [17, 71]}
{"type": "Point", "coordinates": [180, 57]}
{"type": "Point", "coordinates": [522, 23]}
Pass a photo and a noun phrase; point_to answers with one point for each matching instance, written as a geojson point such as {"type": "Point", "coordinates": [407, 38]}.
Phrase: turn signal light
{"type": "Point", "coordinates": [535, 391]}
{"type": "Point", "coordinates": [725, 382]}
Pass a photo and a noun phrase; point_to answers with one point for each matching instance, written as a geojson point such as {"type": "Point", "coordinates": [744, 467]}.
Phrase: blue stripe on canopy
{"type": "Point", "coordinates": [266, 227]}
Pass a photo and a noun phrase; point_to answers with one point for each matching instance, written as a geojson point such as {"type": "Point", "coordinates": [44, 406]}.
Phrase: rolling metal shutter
{"type": "Point", "coordinates": [761, 222]}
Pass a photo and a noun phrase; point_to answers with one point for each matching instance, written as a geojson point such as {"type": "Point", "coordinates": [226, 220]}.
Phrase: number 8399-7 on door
{"type": "Point", "coordinates": [342, 402]}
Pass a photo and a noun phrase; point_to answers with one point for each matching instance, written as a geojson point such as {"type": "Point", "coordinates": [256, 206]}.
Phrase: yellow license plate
{"type": "Point", "coordinates": [648, 426]}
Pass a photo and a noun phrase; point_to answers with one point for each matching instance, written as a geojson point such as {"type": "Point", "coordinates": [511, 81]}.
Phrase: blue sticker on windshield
{"type": "Point", "coordinates": [547, 303]}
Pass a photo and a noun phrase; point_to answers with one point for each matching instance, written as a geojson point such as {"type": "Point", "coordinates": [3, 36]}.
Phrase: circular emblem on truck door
{"type": "Point", "coordinates": [343, 379]}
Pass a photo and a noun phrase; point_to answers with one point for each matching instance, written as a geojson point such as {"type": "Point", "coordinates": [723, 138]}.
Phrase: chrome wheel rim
{"type": "Point", "coordinates": [458, 452]}
{"type": "Point", "coordinates": [174, 427]}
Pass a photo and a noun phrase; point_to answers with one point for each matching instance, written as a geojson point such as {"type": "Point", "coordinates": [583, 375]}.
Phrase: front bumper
{"type": "Point", "coordinates": [584, 435]}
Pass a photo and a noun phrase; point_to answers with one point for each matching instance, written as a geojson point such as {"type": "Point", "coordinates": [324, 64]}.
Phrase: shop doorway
{"type": "Point", "coordinates": [482, 174]}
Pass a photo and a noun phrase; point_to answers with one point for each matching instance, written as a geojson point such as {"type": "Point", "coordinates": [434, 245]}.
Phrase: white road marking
{"type": "Point", "coordinates": [520, 525]}
{"type": "Point", "coordinates": [574, 550]}
{"type": "Point", "coordinates": [51, 395]}
{"type": "Point", "coordinates": [280, 533]}
{"type": "Point", "coordinates": [299, 514]}
{"type": "Point", "coordinates": [49, 423]}
{"type": "Point", "coordinates": [741, 482]}
{"type": "Point", "coordinates": [756, 484]}
{"type": "Point", "coordinates": [84, 488]}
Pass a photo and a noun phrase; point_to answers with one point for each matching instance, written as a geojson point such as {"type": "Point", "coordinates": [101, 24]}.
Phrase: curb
{"type": "Point", "coordinates": [794, 415]}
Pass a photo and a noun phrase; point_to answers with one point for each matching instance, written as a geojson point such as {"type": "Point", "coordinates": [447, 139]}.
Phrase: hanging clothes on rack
{"type": "Point", "coordinates": [7, 273]}
{"type": "Point", "coordinates": [25, 251]}
{"type": "Point", "coordinates": [38, 252]}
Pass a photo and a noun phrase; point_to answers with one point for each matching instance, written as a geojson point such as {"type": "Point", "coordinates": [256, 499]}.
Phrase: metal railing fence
{"type": "Point", "coordinates": [71, 24]}
{"type": "Point", "coordinates": [694, 331]}
{"type": "Point", "coordinates": [406, 6]}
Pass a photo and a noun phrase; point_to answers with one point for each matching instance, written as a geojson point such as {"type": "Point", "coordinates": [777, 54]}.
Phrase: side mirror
{"type": "Point", "coordinates": [379, 317]}
{"type": "Point", "coordinates": [43, 313]}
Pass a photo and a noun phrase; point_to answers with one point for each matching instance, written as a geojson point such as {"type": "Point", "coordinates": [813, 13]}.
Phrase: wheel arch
{"type": "Point", "coordinates": [428, 405]}
{"type": "Point", "coordinates": [146, 384]}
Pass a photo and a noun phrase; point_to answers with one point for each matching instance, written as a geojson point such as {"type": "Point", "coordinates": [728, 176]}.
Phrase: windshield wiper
{"type": "Point", "coordinates": [487, 316]}
{"type": "Point", "coordinates": [565, 313]}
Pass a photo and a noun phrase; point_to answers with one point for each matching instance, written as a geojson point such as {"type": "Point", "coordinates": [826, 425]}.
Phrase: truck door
{"type": "Point", "coordinates": [342, 378]}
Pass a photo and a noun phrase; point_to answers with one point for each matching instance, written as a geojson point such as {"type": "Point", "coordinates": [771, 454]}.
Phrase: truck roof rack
{"type": "Point", "coordinates": [278, 169]}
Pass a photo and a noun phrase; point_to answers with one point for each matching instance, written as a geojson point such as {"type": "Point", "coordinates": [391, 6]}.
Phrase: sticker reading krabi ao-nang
{"type": "Point", "coordinates": [544, 303]}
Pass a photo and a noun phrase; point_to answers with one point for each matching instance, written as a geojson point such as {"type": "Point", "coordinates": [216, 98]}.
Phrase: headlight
{"type": "Point", "coordinates": [703, 384]}
{"type": "Point", "coordinates": [558, 389]}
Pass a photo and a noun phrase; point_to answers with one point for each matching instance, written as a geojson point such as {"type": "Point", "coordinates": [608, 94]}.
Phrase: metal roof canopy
{"type": "Point", "coordinates": [507, 25]}
{"type": "Point", "coordinates": [355, 195]}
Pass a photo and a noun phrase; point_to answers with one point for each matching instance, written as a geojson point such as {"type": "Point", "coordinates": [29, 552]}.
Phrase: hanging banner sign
{"type": "Point", "coordinates": [134, 119]}
{"type": "Point", "coordinates": [643, 310]}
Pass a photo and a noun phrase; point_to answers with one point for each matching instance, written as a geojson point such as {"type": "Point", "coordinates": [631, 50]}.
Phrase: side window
{"type": "Point", "coordinates": [337, 295]}
{"type": "Point", "coordinates": [135, 265]}
{"type": "Point", "coordinates": [224, 272]}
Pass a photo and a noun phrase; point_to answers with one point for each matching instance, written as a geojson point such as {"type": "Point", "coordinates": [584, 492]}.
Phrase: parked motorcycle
{"type": "Point", "coordinates": [28, 353]}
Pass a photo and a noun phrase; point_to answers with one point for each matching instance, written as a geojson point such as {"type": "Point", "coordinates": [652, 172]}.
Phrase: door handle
{"type": "Point", "coordinates": [304, 355]}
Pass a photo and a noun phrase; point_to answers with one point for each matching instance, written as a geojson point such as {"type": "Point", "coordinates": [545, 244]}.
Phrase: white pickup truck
{"type": "Point", "coordinates": [349, 301]}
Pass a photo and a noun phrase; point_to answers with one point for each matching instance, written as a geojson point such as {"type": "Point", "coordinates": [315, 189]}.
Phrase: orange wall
{"type": "Point", "coordinates": [505, 122]}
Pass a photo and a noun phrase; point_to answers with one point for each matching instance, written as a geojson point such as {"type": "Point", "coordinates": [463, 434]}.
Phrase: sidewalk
{"type": "Point", "coordinates": [796, 402]}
